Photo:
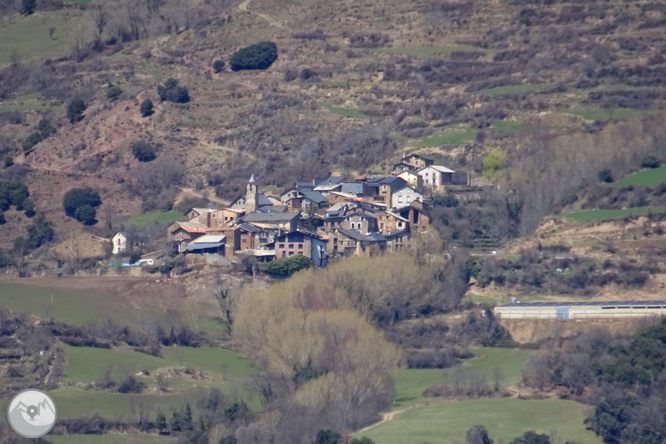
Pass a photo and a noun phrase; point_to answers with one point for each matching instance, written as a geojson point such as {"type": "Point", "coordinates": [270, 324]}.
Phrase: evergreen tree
{"type": "Point", "coordinates": [160, 422]}
{"type": "Point", "coordinates": [146, 108]}
{"type": "Point", "coordinates": [75, 110]}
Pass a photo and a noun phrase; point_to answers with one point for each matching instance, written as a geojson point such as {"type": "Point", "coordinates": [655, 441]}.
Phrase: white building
{"type": "Point", "coordinates": [436, 177]}
{"type": "Point", "coordinates": [122, 240]}
{"type": "Point", "coordinates": [405, 196]}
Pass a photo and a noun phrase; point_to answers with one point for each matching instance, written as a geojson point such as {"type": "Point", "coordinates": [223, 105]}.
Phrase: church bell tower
{"type": "Point", "coordinates": [251, 196]}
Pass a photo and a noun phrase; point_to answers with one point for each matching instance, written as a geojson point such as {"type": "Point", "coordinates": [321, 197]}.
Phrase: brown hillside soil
{"type": "Point", "coordinates": [527, 331]}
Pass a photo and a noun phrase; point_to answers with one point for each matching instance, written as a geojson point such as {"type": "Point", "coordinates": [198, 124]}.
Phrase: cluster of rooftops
{"type": "Point", "coordinates": [349, 216]}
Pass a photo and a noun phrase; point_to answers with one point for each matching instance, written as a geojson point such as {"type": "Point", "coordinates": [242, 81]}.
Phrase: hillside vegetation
{"type": "Point", "coordinates": [552, 85]}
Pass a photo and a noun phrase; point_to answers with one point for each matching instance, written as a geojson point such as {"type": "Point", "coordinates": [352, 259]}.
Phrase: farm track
{"type": "Point", "coordinates": [243, 7]}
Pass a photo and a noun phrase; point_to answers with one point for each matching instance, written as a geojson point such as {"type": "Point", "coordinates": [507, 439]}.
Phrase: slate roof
{"type": "Point", "coordinates": [352, 188]}
{"type": "Point", "coordinates": [313, 196]}
{"type": "Point", "coordinates": [203, 210]}
{"type": "Point", "coordinates": [420, 156]}
{"type": "Point", "coordinates": [377, 181]}
{"type": "Point", "coordinates": [398, 233]}
{"type": "Point", "coordinates": [257, 216]}
{"type": "Point", "coordinates": [327, 187]}
{"type": "Point", "coordinates": [440, 168]}
{"type": "Point", "coordinates": [192, 227]}
{"type": "Point", "coordinates": [250, 228]}
{"type": "Point", "coordinates": [205, 242]}
{"type": "Point", "coordinates": [332, 180]}
{"type": "Point", "coordinates": [274, 209]}
{"type": "Point", "coordinates": [338, 210]}
{"type": "Point", "coordinates": [371, 237]}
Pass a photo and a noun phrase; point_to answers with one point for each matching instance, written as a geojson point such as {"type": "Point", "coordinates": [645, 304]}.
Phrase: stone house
{"type": "Point", "coordinates": [308, 244]}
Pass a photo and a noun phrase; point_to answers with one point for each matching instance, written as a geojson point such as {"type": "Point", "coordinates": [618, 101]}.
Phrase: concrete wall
{"type": "Point", "coordinates": [581, 312]}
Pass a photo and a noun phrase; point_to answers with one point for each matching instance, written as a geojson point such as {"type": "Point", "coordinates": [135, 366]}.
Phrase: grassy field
{"type": "Point", "coordinates": [604, 114]}
{"type": "Point", "coordinates": [68, 306]}
{"type": "Point", "coordinates": [28, 37]}
{"type": "Point", "coordinates": [75, 403]}
{"type": "Point", "coordinates": [452, 137]}
{"type": "Point", "coordinates": [344, 112]}
{"type": "Point", "coordinates": [111, 439]}
{"type": "Point", "coordinates": [85, 364]}
{"type": "Point", "coordinates": [410, 383]}
{"type": "Point", "coordinates": [651, 177]}
{"type": "Point", "coordinates": [590, 215]}
{"type": "Point", "coordinates": [159, 217]}
{"type": "Point", "coordinates": [507, 126]}
{"type": "Point", "coordinates": [504, 418]}
{"type": "Point", "coordinates": [511, 89]}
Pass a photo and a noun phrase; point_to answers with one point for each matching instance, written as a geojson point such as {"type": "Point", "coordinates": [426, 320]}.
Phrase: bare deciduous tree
{"type": "Point", "coordinates": [100, 16]}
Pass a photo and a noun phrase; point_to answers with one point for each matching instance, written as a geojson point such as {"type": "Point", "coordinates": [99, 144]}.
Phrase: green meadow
{"type": "Point", "coordinates": [650, 177]}
{"type": "Point", "coordinates": [28, 37]}
{"type": "Point", "coordinates": [154, 217]}
{"type": "Point", "coordinates": [505, 418]}
{"type": "Point", "coordinates": [341, 111]}
{"type": "Point", "coordinates": [411, 383]}
{"type": "Point", "coordinates": [593, 215]}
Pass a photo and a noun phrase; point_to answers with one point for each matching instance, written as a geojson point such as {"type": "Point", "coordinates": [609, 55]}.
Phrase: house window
{"type": "Point", "coordinates": [291, 247]}
{"type": "Point", "coordinates": [353, 225]}
{"type": "Point", "coordinates": [408, 199]}
{"type": "Point", "coordinates": [300, 246]}
{"type": "Point", "coordinates": [281, 246]}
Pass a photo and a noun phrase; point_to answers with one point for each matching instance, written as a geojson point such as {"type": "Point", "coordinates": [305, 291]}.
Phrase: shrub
{"type": "Point", "coordinates": [651, 162]}
{"type": "Point", "coordinates": [493, 162]}
{"type": "Point", "coordinates": [288, 265]}
{"type": "Point", "coordinates": [171, 92]}
{"type": "Point", "coordinates": [39, 232]}
{"type": "Point", "coordinates": [45, 128]}
{"type": "Point", "coordinates": [327, 437]}
{"type": "Point", "coordinates": [85, 214]}
{"type": "Point", "coordinates": [606, 176]}
{"type": "Point", "coordinates": [143, 151]}
{"type": "Point", "coordinates": [113, 93]}
{"type": "Point", "coordinates": [12, 193]}
{"type": "Point", "coordinates": [32, 140]}
{"type": "Point", "coordinates": [75, 110]}
{"type": "Point", "coordinates": [79, 197]}
{"type": "Point", "coordinates": [259, 56]}
{"type": "Point", "coordinates": [28, 6]}
{"type": "Point", "coordinates": [146, 108]}
{"type": "Point", "coordinates": [218, 65]}
{"type": "Point", "coordinates": [29, 207]}
{"type": "Point", "coordinates": [130, 385]}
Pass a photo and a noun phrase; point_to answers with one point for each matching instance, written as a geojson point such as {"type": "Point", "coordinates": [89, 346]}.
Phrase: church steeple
{"type": "Point", "coordinates": [251, 195]}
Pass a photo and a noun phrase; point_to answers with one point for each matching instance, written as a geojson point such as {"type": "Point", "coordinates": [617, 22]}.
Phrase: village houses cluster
{"type": "Point", "coordinates": [318, 219]}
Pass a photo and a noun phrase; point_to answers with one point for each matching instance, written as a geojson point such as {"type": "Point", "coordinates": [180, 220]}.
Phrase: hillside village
{"type": "Point", "coordinates": [324, 218]}
{"type": "Point", "coordinates": [332, 217]}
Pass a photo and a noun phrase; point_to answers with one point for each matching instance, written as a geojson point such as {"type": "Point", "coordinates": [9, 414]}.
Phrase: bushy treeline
{"type": "Point", "coordinates": [623, 376]}
{"type": "Point", "coordinates": [558, 272]}
{"type": "Point", "coordinates": [436, 345]}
